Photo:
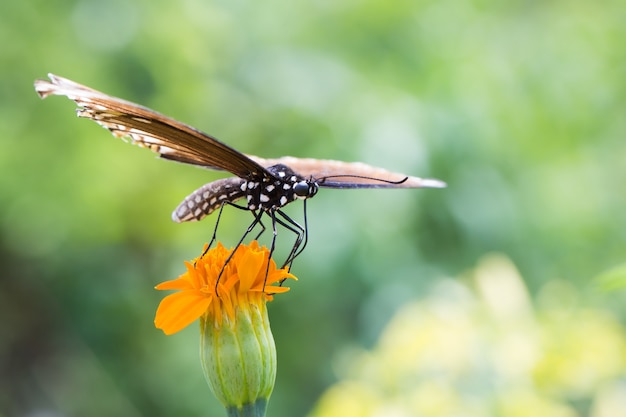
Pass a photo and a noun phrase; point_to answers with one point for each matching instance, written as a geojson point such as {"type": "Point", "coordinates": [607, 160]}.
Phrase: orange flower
{"type": "Point", "coordinates": [242, 284]}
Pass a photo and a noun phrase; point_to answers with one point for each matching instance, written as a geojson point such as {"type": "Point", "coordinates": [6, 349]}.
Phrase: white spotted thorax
{"type": "Point", "coordinates": [272, 193]}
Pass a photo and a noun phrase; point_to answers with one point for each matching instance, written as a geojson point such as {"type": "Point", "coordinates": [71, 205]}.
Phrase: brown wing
{"type": "Point", "coordinates": [337, 174]}
{"type": "Point", "coordinates": [169, 138]}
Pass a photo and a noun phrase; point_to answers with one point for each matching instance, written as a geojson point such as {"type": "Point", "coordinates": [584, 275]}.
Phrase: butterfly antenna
{"type": "Point", "coordinates": [362, 177]}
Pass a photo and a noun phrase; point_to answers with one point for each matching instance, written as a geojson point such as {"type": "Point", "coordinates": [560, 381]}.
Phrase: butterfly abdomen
{"type": "Point", "coordinates": [209, 198]}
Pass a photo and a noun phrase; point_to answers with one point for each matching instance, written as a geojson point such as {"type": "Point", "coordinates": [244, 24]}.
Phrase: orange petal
{"type": "Point", "coordinates": [278, 275]}
{"type": "Point", "coordinates": [175, 284]}
{"type": "Point", "coordinates": [249, 268]}
{"type": "Point", "coordinates": [180, 309]}
{"type": "Point", "coordinates": [272, 289]}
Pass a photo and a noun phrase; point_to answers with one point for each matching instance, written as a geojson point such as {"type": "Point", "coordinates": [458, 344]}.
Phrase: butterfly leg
{"type": "Point", "coordinates": [257, 220]}
{"type": "Point", "coordinates": [289, 224]}
{"type": "Point", "coordinates": [300, 232]}
{"type": "Point", "coordinates": [217, 223]}
{"type": "Point", "coordinates": [306, 232]}
{"type": "Point", "coordinates": [262, 229]}
{"type": "Point", "coordinates": [272, 214]}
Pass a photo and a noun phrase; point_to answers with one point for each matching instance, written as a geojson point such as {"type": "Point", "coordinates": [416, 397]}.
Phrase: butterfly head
{"type": "Point", "coordinates": [305, 189]}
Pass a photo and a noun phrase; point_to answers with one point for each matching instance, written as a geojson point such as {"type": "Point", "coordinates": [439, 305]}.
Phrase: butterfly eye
{"type": "Point", "coordinates": [302, 189]}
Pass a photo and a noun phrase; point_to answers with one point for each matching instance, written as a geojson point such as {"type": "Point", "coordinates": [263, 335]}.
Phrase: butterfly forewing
{"type": "Point", "coordinates": [177, 141]}
{"type": "Point", "coordinates": [169, 138]}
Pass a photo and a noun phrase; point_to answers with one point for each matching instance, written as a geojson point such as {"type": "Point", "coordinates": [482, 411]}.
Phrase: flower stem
{"type": "Point", "coordinates": [257, 409]}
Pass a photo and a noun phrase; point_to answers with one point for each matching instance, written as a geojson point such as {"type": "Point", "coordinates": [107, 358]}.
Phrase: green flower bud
{"type": "Point", "coordinates": [239, 359]}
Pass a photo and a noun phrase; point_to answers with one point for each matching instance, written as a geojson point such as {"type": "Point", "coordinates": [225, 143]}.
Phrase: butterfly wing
{"type": "Point", "coordinates": [144, 127]}
{"type": "Point", "coordinates": [338, 174]}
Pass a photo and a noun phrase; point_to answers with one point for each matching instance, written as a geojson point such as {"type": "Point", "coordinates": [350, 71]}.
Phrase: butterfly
{"type": "Point", "coordinates": [266, 185]}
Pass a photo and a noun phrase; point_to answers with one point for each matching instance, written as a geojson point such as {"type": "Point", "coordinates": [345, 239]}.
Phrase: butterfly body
{"type": "Point", "coordinates": [270, 194]}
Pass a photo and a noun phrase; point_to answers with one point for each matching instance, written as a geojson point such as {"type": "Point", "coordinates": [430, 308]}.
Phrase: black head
{"type": "Point", "coordinates": [305, 189]}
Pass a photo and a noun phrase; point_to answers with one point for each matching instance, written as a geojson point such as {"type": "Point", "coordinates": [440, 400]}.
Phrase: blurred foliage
{"type": "Point", "coordinates": [613, 279]}
{"type": "Point", "coordinates": [518, 105]}
{"type": "Point", "coordinates": [480, 348]}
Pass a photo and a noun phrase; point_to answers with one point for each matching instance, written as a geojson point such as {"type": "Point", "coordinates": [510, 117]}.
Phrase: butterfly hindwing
{"type": "Point", "coordinates": [338, 174]}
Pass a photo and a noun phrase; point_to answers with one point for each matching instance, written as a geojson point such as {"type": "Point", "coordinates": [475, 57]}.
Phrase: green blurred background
{"type": "Point", "coordinates": [519, 106]}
